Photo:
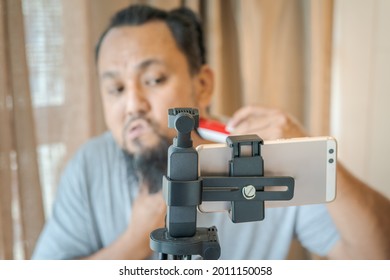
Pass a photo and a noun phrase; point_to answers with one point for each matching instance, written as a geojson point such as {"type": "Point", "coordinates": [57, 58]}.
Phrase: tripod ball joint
{"type": "Point", "coordinates": [184, 123]}
{"type": "Point", "coordinates": [184, 120]}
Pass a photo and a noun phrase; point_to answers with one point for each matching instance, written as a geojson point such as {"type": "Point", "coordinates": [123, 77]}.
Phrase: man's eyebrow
{"type": "Point", "coordinates": [110, 75]}
{"type": "Point", "coordinates": [145, 64]}
{"type": "Point", "coordinates": [141, 66]}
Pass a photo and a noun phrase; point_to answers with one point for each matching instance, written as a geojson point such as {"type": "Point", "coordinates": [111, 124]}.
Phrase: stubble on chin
{"type": "Point", "coordinates": [150, 139]}
{"type": "Point", "coordinates": [147, 161]}
{"type": "Point", "coordinates": [148, 167]}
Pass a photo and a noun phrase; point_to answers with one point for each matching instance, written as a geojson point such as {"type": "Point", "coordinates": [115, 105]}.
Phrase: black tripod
{"type": "Point", "coordinates": [184, 190]}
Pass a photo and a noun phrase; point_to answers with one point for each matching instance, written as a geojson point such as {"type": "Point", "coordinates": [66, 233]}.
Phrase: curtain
{"type": "Point", "coordinates": [260, 53]}
{"type": "Point", "coordinates": [19, 177]}
{"type": "Point", "coordinates": [274, 53]}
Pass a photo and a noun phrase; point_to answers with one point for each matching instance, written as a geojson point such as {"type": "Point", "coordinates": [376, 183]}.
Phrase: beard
{"type": "Point", "coordinates": [148, 165]}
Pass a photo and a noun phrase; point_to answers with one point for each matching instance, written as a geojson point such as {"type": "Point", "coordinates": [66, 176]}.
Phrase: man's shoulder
{"type": "Point", "coordinates": [93, 161]}
{"type": "Point", "coordinates": [104, 140]}
{"type": "Point", "coordinates": [103, 144]}
{"type": "Point", "coordinates": [94, 152]}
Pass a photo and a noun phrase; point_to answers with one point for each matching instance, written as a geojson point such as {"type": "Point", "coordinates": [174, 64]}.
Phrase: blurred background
{"type": "Point", "coordinates": [326, 62]}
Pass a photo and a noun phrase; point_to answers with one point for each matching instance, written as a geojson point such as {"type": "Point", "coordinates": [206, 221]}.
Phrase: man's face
{"type": "Point", "coordinates": [142, 74]}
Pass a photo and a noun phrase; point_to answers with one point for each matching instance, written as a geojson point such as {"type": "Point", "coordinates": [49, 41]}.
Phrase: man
{"type": "Point", "coordinates": [109, 201]}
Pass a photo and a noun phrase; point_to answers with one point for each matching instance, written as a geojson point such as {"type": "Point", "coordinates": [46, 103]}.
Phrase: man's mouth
{"type": "Point", "coordinates": [137, 128]}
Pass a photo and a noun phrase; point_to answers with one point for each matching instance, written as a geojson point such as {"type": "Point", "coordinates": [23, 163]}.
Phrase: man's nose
{"type": "Point", "coordinates": [137, 102]}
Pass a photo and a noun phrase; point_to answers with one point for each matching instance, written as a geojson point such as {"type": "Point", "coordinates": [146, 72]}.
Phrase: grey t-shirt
{"type": "Point", "coordinates": [93, 207]}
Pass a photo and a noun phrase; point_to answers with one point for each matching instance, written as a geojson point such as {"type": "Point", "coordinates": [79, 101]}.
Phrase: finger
{"type": "Point", "coordinates": [257, 123]}
{"type": "Point", "coordinates": [244, 114]}
{"type": "Point", "coordinates": [262, 133]}
{"type": "Point", "coordinates": [269, 126]}
{"type": "Point", "coordinates": [238, 117]}
{"type": "Point", "coordinates": [253, 124]}
{"type": "Point", "coordinates": [158, 200]}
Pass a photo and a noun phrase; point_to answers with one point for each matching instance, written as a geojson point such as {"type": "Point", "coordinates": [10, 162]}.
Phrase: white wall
{"type": "Point", "coordinates": [361, 89]}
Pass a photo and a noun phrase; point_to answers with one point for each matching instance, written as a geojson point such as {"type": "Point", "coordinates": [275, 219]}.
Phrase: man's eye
{"type": "Point", "coordinates": [155, 81]}
{"type": "Point", "coordinates": [116, 90]}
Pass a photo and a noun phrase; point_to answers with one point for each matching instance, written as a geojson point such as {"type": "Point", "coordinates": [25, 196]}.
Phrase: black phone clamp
{"type": "Point", "coordinates": [184, 190]}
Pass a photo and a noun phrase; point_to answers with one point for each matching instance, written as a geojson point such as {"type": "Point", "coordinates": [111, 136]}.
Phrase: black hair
{"type": "Point", "coordinates": [183, 23]}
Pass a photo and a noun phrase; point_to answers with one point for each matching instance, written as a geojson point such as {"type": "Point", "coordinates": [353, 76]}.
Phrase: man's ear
{"type": "Point", "coordinates": [204, 87]}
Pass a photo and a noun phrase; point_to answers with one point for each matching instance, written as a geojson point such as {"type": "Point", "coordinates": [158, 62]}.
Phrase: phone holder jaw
{"type": "Point", "coordinates": [184, 190]}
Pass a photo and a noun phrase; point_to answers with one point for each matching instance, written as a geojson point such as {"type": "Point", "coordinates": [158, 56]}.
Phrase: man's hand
{"type": "Point", "coordinates": [267, 123]}
{"type": "Point", "coordinates": [148, 214]}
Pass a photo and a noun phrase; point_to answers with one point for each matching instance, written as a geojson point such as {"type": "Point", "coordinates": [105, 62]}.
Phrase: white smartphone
{"type": "Point", "coordinates": [311, 161]}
